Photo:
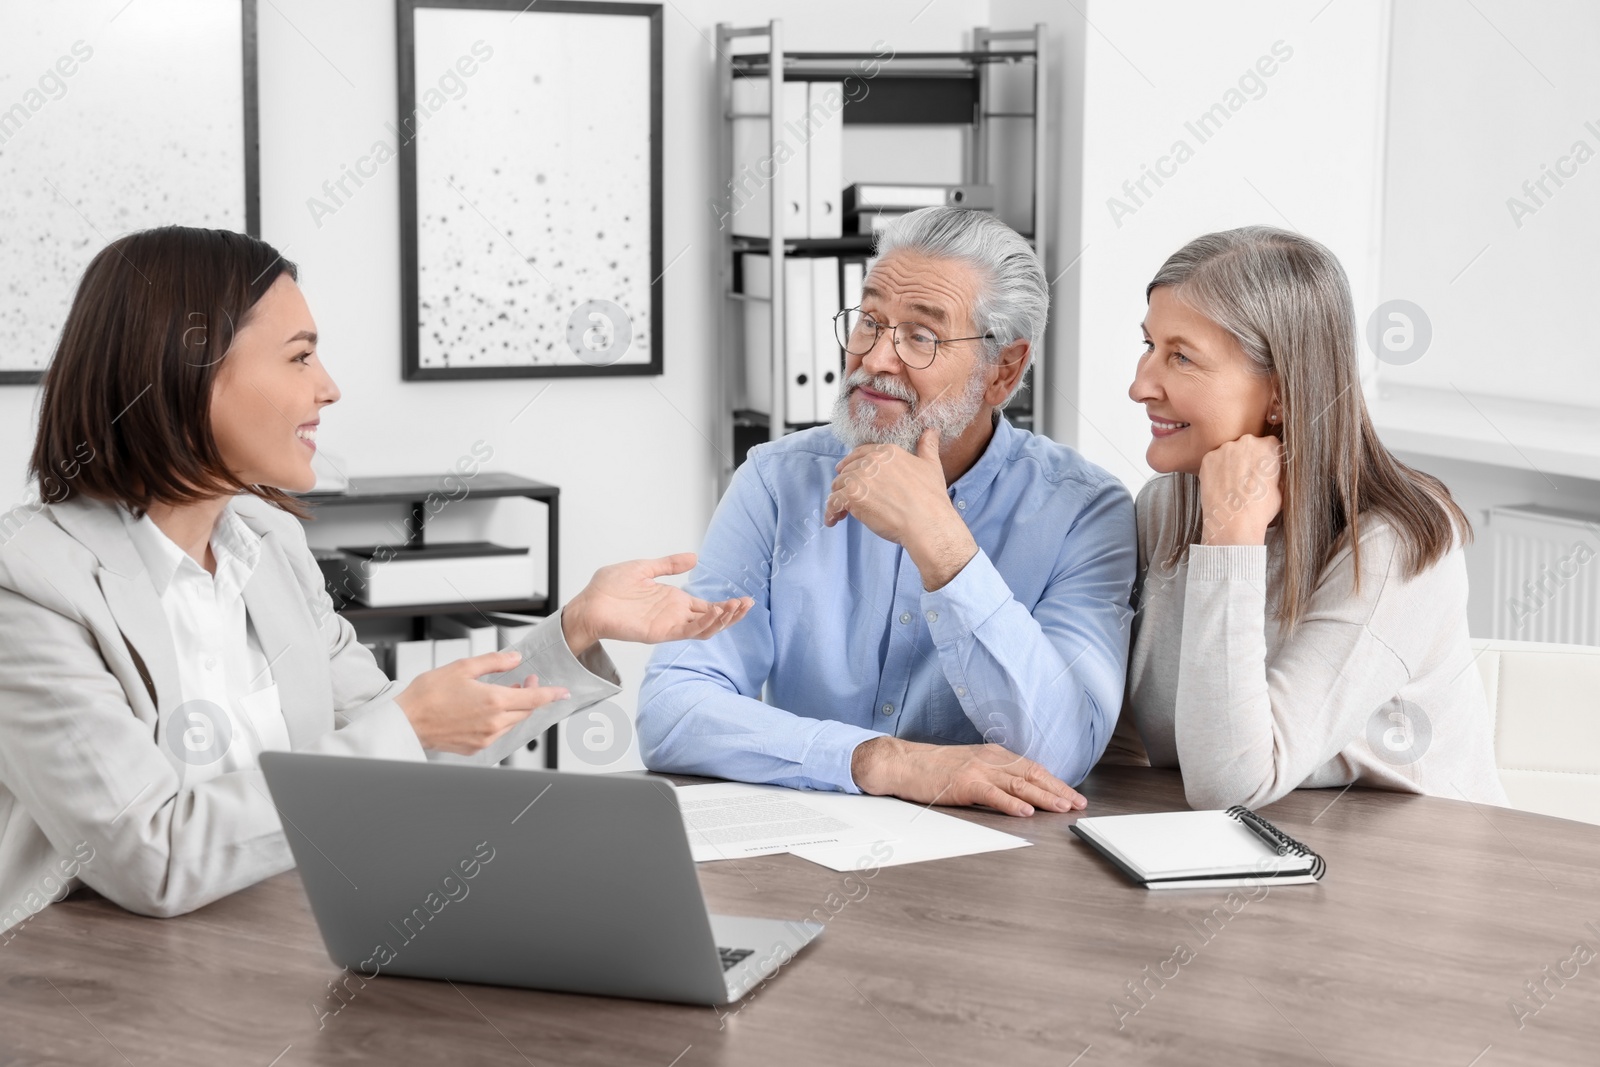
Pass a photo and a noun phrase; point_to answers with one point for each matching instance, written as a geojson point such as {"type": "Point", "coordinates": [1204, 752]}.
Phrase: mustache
{"type": "Point", "coordinates": [881, 383]}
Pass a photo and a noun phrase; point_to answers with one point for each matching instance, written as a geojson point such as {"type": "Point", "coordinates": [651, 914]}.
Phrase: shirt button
{"type": "Point", "coordinates": [211, 663]}
{"type": "Point", "coordinates": [888, 709]}
{"type": "Point", "coordinates": [961, 505]}
{"type": "Point", "coordinates": [905, 616]}
{"type": "Point", "coordinates": [961, 690]}
{"type": "Point", "coordinates": [933, 616]}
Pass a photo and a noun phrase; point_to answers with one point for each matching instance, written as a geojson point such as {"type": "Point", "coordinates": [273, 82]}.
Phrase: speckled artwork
{"type": "Point", "coordinates": [533, 200]}
{"type": "Point", "coordinates": [113, 117]}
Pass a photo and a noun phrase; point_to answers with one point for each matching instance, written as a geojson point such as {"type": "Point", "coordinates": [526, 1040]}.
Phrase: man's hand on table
{"type": "Point", "coordinates": [959, 775]}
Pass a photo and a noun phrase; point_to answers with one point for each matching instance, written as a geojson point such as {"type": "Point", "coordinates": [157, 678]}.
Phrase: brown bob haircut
{"type": "Point", "coordinates": [126, 408]}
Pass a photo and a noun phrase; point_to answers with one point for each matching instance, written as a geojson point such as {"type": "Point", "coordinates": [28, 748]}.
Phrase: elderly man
{"type": "Point", "coordinates": [941, 599]}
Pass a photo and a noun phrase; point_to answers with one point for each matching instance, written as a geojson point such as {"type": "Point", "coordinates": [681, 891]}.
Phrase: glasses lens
{"type": "Point", "coordinates": [857, 331]}
{"type": "Point", "coordinates": [917, 344]}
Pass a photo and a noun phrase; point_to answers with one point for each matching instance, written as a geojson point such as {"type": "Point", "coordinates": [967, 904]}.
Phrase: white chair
{"type": "Point", "coordinates": [1544, 701]}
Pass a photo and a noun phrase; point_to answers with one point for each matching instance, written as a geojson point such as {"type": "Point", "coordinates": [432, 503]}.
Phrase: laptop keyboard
{"type": "Point", "coordinates": [732, 956]}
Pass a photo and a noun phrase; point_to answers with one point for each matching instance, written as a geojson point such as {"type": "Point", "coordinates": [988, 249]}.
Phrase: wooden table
{"type": "Point", "coordinates": [1432, 917]}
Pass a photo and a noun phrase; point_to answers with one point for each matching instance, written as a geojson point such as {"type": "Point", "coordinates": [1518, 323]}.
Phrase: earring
{"type": "Point", "coordinates": [1272, 418]}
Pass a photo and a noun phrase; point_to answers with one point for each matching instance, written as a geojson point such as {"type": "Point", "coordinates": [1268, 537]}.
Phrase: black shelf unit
{"type": "Point", "coordinates": [415, 491]}
{"type": "Point", "coordinates": [908, 88]}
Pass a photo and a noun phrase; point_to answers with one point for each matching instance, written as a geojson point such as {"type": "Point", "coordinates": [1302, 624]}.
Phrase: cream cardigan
{"type": "Point", "coordinates": [1376, 687]}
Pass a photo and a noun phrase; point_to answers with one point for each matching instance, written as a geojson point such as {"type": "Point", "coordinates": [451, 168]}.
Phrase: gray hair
{"type": "Point", "coordinates": [1013, 299]}
{"type": "Point", "coordinates": [1286, 301]}
{"type": "Point", "coordinates": [1280, 294]}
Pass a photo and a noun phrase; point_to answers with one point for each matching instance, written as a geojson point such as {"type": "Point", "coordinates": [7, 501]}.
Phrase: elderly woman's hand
{"type": "Point", "coordinates": [1239, 490]}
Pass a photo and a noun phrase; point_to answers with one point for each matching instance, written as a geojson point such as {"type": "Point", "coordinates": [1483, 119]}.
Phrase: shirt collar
{"type": "Point", "coordinates": [236, 546]}
{"type": "Point", "coordinates": [981, 475]}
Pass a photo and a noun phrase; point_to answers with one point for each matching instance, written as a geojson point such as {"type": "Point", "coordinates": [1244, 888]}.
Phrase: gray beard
{"type": "Point", "coordinates": [949, 415]}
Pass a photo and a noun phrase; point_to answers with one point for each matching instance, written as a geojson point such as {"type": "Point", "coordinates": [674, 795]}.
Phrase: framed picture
{"type": "Point", "coordinates": [115, 117]}
{"type": "Point", "coordinates": [530, 188]}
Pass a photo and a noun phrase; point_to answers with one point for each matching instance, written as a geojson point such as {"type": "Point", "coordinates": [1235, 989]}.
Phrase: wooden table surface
{"type": "Point", "coordinates": [1432, 919]}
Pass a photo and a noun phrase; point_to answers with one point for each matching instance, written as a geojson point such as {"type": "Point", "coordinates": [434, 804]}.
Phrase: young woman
{"type": "Point", "coordinates": [1301, 602]}
{"type": "Point", "coordinates": [162, 621]}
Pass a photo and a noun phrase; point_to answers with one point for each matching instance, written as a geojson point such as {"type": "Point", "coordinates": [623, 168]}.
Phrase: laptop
{"type": "Point", "coordinates": [576, 883]}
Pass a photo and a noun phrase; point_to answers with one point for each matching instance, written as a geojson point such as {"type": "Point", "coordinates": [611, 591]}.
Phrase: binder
{"type": "Point", "coordinates": [908, 196]}
{"type": "Point", "coordinates": [852, 276]}
{"type": "Point", "coordinates": [755, 282]}
{"type": "Point", "coordinates": [440, 573]}
{"type": "Point", "coordinates": [447, 650]}
{"type": "Point", "coordinates": [1200, 849]}
{"type": "Point", "coordinates": [800, 395]}
{"type": "Point", "coordinates": [412, 658]}
{"type": "Point", "coordinates": [873, 222]}
{"type": "Point", "coordinates": [797, 361]}
{"type": "Point", "coordinates": [480, 636]}
{"type": "Point", "coordinates": [511, 627]}
{"type": "Point", "coordinates": [828, 366]}
{"type": "Point", "coordinates": [754, 162]}
{"type": "Point", "coordinates": [824, 128]}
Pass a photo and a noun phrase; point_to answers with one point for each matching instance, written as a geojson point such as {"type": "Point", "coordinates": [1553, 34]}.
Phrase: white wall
{"type": "Point", "coordinates": [1483, 103]}
{"type": "Point", "coordinates": [1304, 155]}
{"type": "Point", "coordinates": [632, 455]}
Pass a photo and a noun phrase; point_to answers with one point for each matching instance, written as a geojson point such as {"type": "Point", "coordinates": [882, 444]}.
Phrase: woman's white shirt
{"type": "Point", "coordinates": [229, 712]}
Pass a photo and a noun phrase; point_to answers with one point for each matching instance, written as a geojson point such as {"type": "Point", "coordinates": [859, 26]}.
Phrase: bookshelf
{"type": "Point", "coordinates": [908, 89]}
{"type": "Point", "coordinates": [415, 492]}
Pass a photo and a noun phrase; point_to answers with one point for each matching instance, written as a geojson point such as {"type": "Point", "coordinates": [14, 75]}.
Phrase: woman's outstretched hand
{"type": "Point", "coordinates": [624, 602]}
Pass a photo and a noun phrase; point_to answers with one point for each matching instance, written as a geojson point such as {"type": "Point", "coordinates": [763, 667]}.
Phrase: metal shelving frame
{"type": "Point", "coordinates": [990, 47]}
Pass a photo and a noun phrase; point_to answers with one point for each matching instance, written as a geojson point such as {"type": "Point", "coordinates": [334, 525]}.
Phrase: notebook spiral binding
{"type": "Point", "coordinates": [1277, 839]}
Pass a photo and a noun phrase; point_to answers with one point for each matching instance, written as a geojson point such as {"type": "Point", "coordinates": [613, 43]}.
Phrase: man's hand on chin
{"type": "Point", "coordinates": [902, 497]}
{"type": "Point", "coordinates": [959, 775]}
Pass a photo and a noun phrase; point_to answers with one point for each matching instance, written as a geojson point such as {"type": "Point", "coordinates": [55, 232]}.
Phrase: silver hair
{"type": "Point", "coordinates": [1013, 298]}
{"type": "Point", "coordinates": [1286, 301]}
{"type": "Point", "coordinates": [1266, 285]}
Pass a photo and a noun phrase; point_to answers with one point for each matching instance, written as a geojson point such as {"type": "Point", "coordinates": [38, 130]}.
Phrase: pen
{"type": "Point", "coordinates": [1250, 819]}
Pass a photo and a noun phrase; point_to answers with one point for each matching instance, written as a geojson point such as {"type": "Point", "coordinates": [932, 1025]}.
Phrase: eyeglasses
{"type": "Point", "coordinates": [915, 344]}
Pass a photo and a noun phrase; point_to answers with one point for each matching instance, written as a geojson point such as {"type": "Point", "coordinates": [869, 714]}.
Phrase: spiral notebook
{"type": "Point", "coordinates": [1200, 849]}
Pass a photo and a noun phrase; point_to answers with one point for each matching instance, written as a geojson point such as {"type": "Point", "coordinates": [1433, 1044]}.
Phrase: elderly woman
{"type": "Point", "coordinates": [162, 621]}
{"type": "Point", "coordinates": [1301, 599]}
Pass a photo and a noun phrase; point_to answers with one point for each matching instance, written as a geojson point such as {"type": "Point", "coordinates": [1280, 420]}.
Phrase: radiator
{"type": "Point", "coordinates": [1546, 575]}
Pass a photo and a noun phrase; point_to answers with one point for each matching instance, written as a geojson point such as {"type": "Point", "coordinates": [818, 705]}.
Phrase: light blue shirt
{"type": "Point", "coordinates": [1026, 647]}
